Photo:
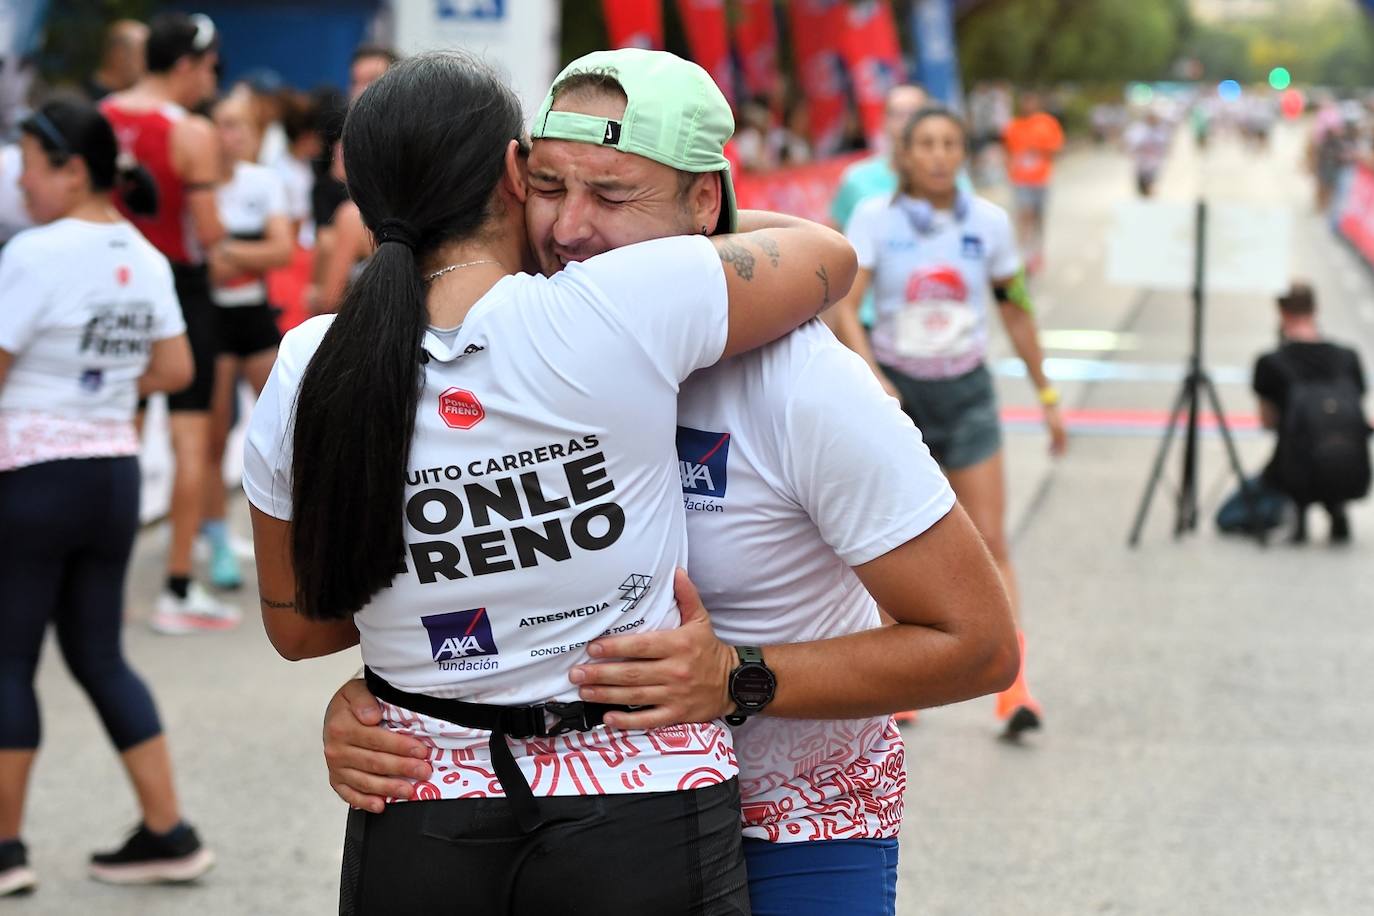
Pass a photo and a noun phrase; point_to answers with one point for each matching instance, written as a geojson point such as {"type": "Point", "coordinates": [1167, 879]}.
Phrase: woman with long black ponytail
{"type": "Point", "coordinates": [471, 472]}
{"type": "Point", "coordinates": [77, 348]}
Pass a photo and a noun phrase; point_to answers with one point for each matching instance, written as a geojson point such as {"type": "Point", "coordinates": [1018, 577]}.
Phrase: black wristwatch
{"type": "Point", "coordinates": [752, 684]}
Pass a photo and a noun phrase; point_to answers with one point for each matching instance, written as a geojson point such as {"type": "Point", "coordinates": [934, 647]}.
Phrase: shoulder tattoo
{"type": "Point", "coordinates": [738, 257]}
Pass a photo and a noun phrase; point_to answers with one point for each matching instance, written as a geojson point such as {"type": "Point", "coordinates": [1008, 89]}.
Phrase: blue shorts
{"type": "Point", "coordinates": [823, 877]}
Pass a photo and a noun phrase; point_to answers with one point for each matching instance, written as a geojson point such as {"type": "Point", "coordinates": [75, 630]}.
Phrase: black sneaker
{"type": "Point", "coordinates": [153, 858]}
{"type": "Point", "coordinates": [1023, 720]}
{"type": "Point", "coordinates": [15, 875]}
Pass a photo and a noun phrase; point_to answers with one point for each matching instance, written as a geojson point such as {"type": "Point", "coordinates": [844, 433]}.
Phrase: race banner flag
{"type": "Point", "coordinates": [756, 39]}
{"type": "Point", "coordinates": [873, 54]}
{"type": "Point", "coordinates": [932, 22]}
{"type": "Point", "coordinates": [801, 190]}
{"type": "Point", "coordinates": [708, 40]}
{"type": "Point", "coordinates": [817, 28]}
{"type": "Point", "coordinates": [634, 23]}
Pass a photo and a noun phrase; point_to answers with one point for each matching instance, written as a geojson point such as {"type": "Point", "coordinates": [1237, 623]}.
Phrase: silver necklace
{"type": "Point", "coordinates": [452, 267]}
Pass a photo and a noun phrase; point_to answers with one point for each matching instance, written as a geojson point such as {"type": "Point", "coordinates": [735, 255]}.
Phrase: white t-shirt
{"type": "Point", "coordinates": [14, 215]}
{"type": "Point", "coordinates": [81, 338]}
{"type": "Point", "coordinates": [1149, 145]}
{"type": "Point", "coordinates": [932, 274]}
{"type": "Point", "coordinates": [246, 202]}
{"type": "Point", "coordinates": [543, 508]}
{"type": "Point", "coordinates": [299, 182]}
{"type": "Point", "coordinates": [795, 466]}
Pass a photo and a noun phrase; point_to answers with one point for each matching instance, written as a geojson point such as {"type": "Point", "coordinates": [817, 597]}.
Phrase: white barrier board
{"type": "Point", "coordinates": [1152, 245]}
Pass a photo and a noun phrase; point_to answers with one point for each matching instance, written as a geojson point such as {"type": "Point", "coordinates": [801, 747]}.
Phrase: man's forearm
{"type": "Point", "coordinates": [880, 671]}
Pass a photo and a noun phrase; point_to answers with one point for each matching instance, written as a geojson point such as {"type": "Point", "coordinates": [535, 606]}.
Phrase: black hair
{"type": "Point", "coordinates": [925, 114]}
{"type": "Point", "coordinates": [68, 128]}
{"type": "Point", "coordinates": [425, 146]}
{"type": "Point", "coordinates": [172, 36]}
{"type": "Point", "coordinates": [1299, 301]}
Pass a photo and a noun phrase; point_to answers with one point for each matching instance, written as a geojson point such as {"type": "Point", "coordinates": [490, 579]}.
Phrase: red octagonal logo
{"type": "Point", "coordinates": [460, 409]}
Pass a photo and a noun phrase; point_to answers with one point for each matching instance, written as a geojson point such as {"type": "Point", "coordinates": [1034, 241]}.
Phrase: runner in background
{"type": "Point", "coordinates": [122, 63]}
{"type": "Point", "coordinates": [90, 321]}
{"type": "Point", "coordinates": [181, 151]}
{"type": "Point", "coordinates": [252, 206]}
{"type": "Point", "coordinates": [14, 216]}
{"type": "Point", "coordinates": [341, 258]}
{"type": "Point", "coordinates": [935, 257]}
{"type": "Point", "coordinates": [1147, 140]}
{"type": "Point", "coordinates": [1032, 139]}
{"type": "Point", "coordinates": [876, 174]}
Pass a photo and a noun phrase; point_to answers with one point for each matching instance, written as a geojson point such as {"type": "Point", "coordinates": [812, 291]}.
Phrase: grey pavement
{"type": "Point", "coordinates": [1208, 734]}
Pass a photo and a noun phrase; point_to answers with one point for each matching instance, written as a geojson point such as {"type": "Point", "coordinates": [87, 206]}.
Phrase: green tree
{"type": "Point", "coordinates": [1039, 41]}
{"type": "Point", "coordinates": [74, 36]}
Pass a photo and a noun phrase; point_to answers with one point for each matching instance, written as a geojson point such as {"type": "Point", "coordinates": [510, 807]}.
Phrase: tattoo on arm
{"type": "Point", "coordinates": [738, 257]}
{"type": "Point", "coordinates": [825, 284]}
{"type": "Point", "coordinates": [277, 605]}
{"type": "Point", "coordinates": [771, 249]}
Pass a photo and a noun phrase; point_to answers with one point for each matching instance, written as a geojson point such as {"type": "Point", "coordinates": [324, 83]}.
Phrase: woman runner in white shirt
{"type": "Point", "coordinates": [77, 348]}
{"type": "Point", "coordinates": [471, 471]}
{"type": "Point", "coordinates": [937, 259]}
{"type": "Point", "coordinates": [252, 207]}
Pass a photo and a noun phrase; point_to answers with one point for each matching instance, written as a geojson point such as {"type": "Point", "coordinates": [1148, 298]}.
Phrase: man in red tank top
{"type": "Point", "coordinates": [181, 151]}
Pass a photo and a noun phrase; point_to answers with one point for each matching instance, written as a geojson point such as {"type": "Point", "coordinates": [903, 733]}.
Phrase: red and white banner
{"type": "Point", "coordinates": [709, 41]}
{"type": "Point", "coordinates": [803, 190]}
{"type": "Point", "coordinates": [1357, 215]}
{"type": "Point", "coordinates": [634, 23]}
{"type": "Point", "coordinates": [873, 54]}
{"type": "Point", "coordinates": [818, 26]}
{"type": "Point", "coordinates": [756, 39]}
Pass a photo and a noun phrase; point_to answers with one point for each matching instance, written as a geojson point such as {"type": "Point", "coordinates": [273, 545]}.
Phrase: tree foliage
{"type": "Point", "coordinates": [1043, 41]}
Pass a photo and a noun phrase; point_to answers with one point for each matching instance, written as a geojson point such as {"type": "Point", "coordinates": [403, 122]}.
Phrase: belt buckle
{"type": "Point", "coordinates": [568, 717]}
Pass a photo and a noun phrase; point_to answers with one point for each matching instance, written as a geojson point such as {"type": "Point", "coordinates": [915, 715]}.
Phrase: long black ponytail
{"type": "Point", "coordinates": [425, 147]}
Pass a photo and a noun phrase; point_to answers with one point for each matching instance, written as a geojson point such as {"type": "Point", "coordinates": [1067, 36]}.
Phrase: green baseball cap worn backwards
{"type": "Point", "coordinates": [674, 114]}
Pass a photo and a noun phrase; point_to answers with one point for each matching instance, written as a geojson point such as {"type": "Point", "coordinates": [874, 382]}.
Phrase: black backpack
{"type": "Point", "coordinates": [1323, 450]}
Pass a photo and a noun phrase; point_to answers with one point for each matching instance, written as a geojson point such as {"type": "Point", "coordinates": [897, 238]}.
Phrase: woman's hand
{"type": "Point", "coordinates": [1059, 436]}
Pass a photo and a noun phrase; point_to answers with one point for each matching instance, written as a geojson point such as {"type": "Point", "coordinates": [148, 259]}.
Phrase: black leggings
{"type": "Point", "coordinates": [643, 854]}
{"type": "Point", "coordinates": [68, 531]}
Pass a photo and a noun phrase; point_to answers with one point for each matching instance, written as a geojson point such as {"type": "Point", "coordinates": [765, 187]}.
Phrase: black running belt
{"type": "Point", "coordinates": [503, 722]}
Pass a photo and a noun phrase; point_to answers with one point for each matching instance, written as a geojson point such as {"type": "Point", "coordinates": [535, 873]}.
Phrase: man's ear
{"type": "Point", "coordinates": [704, 201]}
{"type": "Point", "coordinates": [516, 176]}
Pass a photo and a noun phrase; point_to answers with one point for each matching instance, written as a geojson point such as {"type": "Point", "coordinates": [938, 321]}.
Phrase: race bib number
{"type": "Point", "coordinates": [936, 321]}
{"type": "Point", "coordinates": [936, 329]}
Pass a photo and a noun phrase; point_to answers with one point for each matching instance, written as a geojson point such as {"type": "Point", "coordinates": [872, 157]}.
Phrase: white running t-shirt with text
{"type": "Point", "coordinates": [542, 509]}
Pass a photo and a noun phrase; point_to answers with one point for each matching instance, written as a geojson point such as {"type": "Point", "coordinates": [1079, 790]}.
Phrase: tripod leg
{"type": "Point", "coordinates": [1187, 491]}
{"type": "Point", "coordinates": [1183, 398]}
{"type": "Point", "coordinates": [1247, 493]}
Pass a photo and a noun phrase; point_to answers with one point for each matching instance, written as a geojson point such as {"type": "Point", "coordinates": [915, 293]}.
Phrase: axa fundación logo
{"type": "Point", "coordinates": [459, 639]}
{"type": "Point", "coordinates": [703, 459]}
{"type": "Point", "coordinates": [633, 590]}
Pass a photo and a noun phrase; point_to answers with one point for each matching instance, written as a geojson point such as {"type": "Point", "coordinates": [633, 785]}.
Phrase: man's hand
{"type": "Point", "coordinates": [368, 763]}
{"type": "Point", "coordinates": [683, 674]}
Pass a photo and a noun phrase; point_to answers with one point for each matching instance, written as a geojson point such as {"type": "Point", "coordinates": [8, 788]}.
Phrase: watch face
{"type": "Point", "coordinates": [752, 686]}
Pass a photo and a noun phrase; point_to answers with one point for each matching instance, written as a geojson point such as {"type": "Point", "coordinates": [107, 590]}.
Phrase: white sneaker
{"type": "Point", "coordinates": [197, 612]}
